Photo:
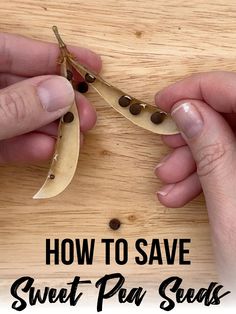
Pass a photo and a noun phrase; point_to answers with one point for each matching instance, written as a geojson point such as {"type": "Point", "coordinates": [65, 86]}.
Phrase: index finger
{"type": "Point", "coordinates": [217, 89]}
{"type": "Point", "coordinates": [28, 57]}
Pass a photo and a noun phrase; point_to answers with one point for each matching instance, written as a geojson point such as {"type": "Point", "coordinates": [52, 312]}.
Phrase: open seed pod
{"type": "Point", "coordinates": [140, 113]}
{"type": "Point", "coordinates": [66, 154]}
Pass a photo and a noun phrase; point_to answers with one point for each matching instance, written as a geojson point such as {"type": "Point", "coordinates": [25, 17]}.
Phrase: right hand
{"type": "Point", "coordinates": [204, 157]}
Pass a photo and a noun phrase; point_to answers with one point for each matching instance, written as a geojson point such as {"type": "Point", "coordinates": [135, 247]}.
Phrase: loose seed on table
{"type": "Point", "coordinates": [114, 224]}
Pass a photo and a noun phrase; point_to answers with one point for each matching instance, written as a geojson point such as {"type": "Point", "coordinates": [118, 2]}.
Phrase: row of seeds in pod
{"type": "Point", "coordinates": [125, 101]}
{"type": "Point", "coordinates": [135, 109]}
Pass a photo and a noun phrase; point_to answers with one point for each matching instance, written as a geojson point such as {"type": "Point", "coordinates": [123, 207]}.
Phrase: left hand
{"type": "Point", "coordinates": [33, 97]}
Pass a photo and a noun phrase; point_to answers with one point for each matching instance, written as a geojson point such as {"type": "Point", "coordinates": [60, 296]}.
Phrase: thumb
{"type": "Point", "coordinates": [213, 146]}
{"type": "Point", "coordinates": [32, 103]}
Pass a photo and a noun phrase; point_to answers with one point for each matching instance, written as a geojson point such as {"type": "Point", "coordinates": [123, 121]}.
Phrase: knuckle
{"type": "Point", "coordinates": [210, 157]}
{"type": "Point", "coordinates": [13, 107]}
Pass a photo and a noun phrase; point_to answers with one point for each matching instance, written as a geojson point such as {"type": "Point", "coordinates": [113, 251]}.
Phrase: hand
{"type": "Point", "coordinates": [33, 97]}
{"type": "Point", "coordinates": [204, 157]}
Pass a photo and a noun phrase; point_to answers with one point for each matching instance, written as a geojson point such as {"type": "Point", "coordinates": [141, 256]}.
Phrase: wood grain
{"type": "Point", "coordinates": [145, 45]}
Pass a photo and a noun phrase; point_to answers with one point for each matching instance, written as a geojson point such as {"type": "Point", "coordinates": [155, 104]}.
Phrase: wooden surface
{"type": "Point", "coordinates": [145, 45]}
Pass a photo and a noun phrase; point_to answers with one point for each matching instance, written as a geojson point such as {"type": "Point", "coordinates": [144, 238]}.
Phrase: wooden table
{"type": "Point", "coordinates": [145, 45]}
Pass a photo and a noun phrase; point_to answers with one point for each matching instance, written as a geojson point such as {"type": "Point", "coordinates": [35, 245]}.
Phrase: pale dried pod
{"type": "Point", "coordinates": [65, 158]}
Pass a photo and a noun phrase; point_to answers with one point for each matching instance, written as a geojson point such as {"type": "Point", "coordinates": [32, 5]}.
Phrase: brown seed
{"type": "Point", "coordinates": [157, 117]}
{"type": "Point", "coordinates": [114, 224]}
{"type": "Point", "coordinates": [69, 75]}
{"type": "Point", "coordinates": [68, 117]}
{"type": "Point", "coordinates": [89, 78]}
{"type": "Point", "coordinates": [135, 109]}
{"type": "Point", "coordinates": [82, 87]}
{"type": "Point", "coordinates": [124, 101]}
{"type": "Point", "coordinates": [52, 176]}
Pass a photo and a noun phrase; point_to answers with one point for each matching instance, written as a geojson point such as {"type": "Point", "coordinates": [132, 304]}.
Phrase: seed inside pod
{"type": "Point", "coordinates": [82, 87]}
{"type": "Point", "coordinates": [124, 101]}
{"type": "Point", "coordinates": [135, 109]}
{"type": "Point", "coordinates": [89, 78]}
{"type": "Point", "coordinates": [68, 117]}
{"type": "Point", "coordinates": [69, 75]}
{"type": "Point", "coordinates": [157, 117]}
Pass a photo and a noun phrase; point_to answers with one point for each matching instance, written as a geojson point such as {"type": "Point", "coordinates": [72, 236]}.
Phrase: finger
{"type": "Point", "coordinates": [87, 113]}
{"type": "Point", "coordinates": [50, 129]}
{"type": "Point", "coordinates": [28, 148]}
{"type": "Point", "coordinates": [87, 118]}
{"type": "Point", "coordinates": [7, 79]}
{"type": "Point", "coordinates": [173, 141]}
{"type": "Point", "coordinates": [27, 57]}
{"type": "Point", "coordinates": [30, 104]}
{"type": "Point", "coordinates": [231, 120]}
{"type": "Point", "coordinates": [217, 89]}
{"type": "Point", "coordinates": [179, 194]}
{"type": "Point", "coordinates": [213, 147]}
{"type": "Point", "coordinates": [176, 166]}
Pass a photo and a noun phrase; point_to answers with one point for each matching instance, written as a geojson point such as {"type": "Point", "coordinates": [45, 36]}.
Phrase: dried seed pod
{"type": "Point", "coordinates": [64, 161]}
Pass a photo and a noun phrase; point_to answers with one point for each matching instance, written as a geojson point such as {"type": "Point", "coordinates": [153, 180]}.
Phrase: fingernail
{"type": "Point", "coordinates": [55, 93]}
{"type": "Point", "coordinates": [162, 162]}
{"type": "Point", "coordinates": [188, 119]}
{"type": "Point", "coordinates": [166, 189]}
